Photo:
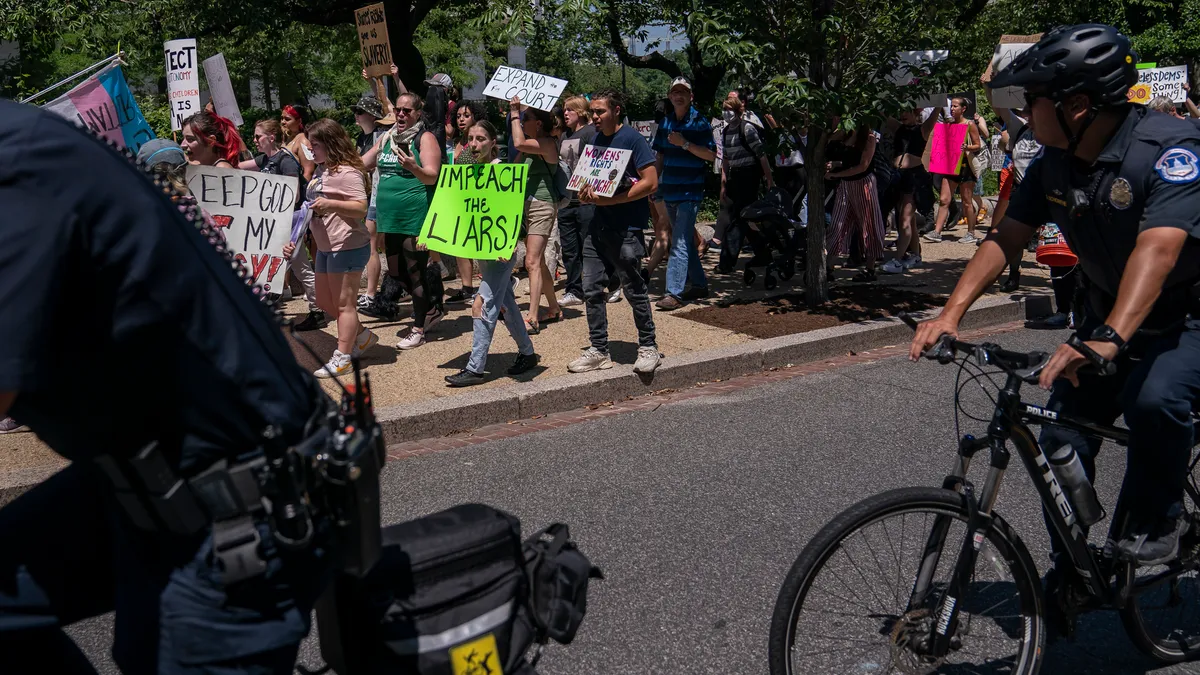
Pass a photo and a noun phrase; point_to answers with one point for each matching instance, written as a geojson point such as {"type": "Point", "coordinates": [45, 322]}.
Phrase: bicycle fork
{"type": "Point", "coordinates": [980, 519]}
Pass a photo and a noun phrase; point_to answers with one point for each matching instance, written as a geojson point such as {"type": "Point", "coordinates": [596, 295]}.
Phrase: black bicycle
{"type": "Point", "coordinates": [877, 591]}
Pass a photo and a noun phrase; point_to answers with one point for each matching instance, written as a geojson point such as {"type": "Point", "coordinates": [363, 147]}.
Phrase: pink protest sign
{"type": "Point", "coordinates": [946, 148]}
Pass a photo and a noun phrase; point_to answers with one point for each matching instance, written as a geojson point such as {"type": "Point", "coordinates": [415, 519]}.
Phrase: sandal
{"type": "Point", "coordinates": [553, 318]}
{"type": "Point", "coordinates": [531, 328]}
{"type": "Point", "coordinates": [865, 275]}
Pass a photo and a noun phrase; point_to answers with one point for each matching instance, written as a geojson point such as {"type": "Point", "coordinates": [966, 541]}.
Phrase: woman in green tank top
{"type": "Point", "coordinates": [531, 137]}
{"type": "Point", "coordinates": [409, 159]}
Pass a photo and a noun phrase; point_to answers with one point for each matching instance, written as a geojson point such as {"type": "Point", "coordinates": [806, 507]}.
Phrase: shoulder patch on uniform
{"type": "Point", "coordinates": [1178, 165]}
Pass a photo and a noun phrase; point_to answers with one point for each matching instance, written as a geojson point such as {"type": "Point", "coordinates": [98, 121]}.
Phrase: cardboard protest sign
{"type": "Point", "coordinates": [601, 167]}
{"type": "Point", "coordinates": [104, 104]}
{"type": "Point", "coordinates": [183, 82]}
{"type": "Point", "coordinates": [220, 89]}
{"type": "Point", "coordinates": [254, 212]}
{"type": "Point", "coordinates": [536, 90]}
{"type": "Point", "coordinates": [1153, 82]}
{"type": "Point", "coordinates": [373, 40]}
{"type": "Point", "coordinates": [1010, 47]}
{"type": "Point", "coordinates": [646, 129]}
{"type": "Point", "coordinates": [477, 211]}
{"type": "Point", "coordinates": [946, 148]}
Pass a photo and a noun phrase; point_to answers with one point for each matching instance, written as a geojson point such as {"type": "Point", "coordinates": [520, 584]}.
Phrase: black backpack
{"type": "Point", "coordinates": [456, 592]}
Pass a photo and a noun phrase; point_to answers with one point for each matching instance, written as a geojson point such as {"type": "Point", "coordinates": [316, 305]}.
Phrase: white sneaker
{"type": "Point", "coordinates": [910, 261]}
{"type": "Point", "coordinates": [365, 300]}
{"type": "Point", "coordinates": [414, 339]}
{"type": "Point", "coordinates": [570, 300]}
{"type": "Point", "coordinates": [616, 296]}
{"type": "Point", "coordinates": [364, 341]}
{"type": "Point", "coordinates": [590, 359]}
{"type": "Point", "coordinates": [647, 360]}
{"type": "Point", "coordinates": [10, 426]}
{"type": "Point", "coordinates": [339, 364]}
{"type": "Point", "coordinates": [432, 318]}
{"type": "Point", "coordinates": [969, 239]}
{"type": "Point", "coordinates": [893, 266]}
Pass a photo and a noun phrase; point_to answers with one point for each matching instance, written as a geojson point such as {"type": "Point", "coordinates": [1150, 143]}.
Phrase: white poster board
{"type": "Point", "coordinates": [1010, 47]}
{"type": "Point", "coordinates": [183, 82]}
{"type": "Point", "coordinates": [646, 129]}
{"type": "Point", "coordinates": [602, 168]}
{"type": "Point", "coordinates": [913, 62]}
{"type": "Point", "coordinates": [221, 90]}
{"type": "Point", "coordinates": [536, 90]}
{"type": "Point", "coordinates": [254, 213]}
{"type": "Point", "coordinates": [1167, 81]}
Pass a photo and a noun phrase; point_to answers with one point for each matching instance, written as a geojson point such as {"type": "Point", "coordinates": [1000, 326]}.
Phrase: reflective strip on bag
{"type": "Point", "coordinates": [481, 624]}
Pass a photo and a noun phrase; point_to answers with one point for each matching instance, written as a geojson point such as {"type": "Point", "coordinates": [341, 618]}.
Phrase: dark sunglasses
{"type": "Point", "coordinates": [406, 111]}
{"type": "Point", "coordinates": [598, 111]}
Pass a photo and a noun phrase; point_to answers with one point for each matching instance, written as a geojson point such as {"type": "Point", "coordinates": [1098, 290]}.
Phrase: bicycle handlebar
{"type": "Point", "coordinates": [1026, 365]}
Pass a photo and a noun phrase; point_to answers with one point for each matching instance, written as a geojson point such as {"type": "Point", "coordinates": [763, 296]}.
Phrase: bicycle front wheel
{"type": "Point", "coordinates": [865, 593]}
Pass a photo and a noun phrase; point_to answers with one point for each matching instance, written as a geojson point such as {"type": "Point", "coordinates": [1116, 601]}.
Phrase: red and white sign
{"type": "Point", "coordinates": [183, 80]}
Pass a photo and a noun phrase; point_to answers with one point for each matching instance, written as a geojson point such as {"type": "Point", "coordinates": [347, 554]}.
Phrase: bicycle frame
{"type": "Point", "coordinates": [1010, 422]}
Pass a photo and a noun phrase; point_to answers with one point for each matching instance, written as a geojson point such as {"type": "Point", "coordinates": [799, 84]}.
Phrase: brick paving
{"type": "Point", "coordinates": [654, 400]}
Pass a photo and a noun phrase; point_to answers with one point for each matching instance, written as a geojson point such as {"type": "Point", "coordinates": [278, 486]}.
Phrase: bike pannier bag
{"type": "Point", "coordinates": [558, 579]}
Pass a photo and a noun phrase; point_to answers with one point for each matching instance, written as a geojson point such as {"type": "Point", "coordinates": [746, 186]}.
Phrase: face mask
{"type": "Point", "coordinates": [727, 115]}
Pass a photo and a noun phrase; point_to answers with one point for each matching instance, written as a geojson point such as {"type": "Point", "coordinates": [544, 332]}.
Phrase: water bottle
{"type": "Point", "coordinates": [1071, 477]}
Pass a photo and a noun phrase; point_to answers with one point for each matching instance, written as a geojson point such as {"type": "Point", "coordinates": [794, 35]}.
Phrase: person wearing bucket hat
{"type": "Point", "coordinates": [1123, 185]}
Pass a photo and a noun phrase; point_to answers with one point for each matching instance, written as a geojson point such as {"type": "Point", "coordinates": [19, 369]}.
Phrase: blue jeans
{"type": "Point", "coordinates": [496, 291]}
{"type": "Point", "coordinates": [684, 263]}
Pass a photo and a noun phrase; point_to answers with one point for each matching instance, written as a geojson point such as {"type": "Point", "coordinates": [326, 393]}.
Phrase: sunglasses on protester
{"type": "Point", "coordinates": [406, 111]}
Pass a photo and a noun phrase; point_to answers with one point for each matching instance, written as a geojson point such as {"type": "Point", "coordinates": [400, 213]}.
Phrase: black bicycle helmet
{"type": "Point", "coordinates": [1088, 58]}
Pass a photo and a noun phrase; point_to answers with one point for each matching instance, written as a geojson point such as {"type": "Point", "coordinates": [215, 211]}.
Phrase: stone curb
{"type": "Point", "coordinates": [474, 409]}
{"type": "Point", "coordinates": [456, 414]}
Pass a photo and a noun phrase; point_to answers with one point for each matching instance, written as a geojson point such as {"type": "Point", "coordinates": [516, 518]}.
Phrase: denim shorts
{"type": "Point", "coordinates": [342, 262]}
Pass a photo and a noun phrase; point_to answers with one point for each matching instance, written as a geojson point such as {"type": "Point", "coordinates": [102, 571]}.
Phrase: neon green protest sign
{"type": "Point", "coordinates": [476, 211]}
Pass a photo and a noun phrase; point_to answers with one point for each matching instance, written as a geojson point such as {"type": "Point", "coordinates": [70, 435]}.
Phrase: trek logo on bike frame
{"type": "Point", "coordinates": [1060, 497]}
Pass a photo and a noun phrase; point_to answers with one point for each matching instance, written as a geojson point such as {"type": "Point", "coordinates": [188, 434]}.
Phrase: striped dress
{"type": "Point", "coordinates": [856, 212]}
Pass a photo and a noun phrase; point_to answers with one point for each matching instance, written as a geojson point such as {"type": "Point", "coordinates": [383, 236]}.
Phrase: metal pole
{"type": "Point", "coordinates": [72, 78]}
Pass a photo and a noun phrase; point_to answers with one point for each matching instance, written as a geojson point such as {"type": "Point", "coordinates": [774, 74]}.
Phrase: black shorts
{"type": "Point", "coordinates": [965, 175]}
{"type": "Point", "coordinates": [914, 179]}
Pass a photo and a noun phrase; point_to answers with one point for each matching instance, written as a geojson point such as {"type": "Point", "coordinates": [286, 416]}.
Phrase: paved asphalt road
{"type": "Point", "coordinates": [696, 510]}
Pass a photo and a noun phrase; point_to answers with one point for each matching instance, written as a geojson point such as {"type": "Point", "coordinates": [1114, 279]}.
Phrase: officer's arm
{"type": "Point", "coordinates": [1153, 258]}
{"type": "Point", "coordinates": [1005, 242]}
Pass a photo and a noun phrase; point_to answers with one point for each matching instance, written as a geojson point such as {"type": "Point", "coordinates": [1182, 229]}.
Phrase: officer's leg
{"type": "Point", "coordinates": [1158, 409]}
{"type": "Point", "coordinates": [55, 569]}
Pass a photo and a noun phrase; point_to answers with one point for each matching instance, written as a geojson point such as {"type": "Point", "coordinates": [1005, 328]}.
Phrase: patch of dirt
{"type": "Point", "coordinates": [786, 314]}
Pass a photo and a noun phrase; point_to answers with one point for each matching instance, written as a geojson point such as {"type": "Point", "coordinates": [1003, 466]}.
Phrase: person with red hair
{"type": "Point", "coordinates": [292, 120]}
{"type": "Point", "coordinates": [211, 140]}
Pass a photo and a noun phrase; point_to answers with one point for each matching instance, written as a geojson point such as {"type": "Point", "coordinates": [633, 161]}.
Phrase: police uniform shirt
{"type": "Point", "coordinates": [1147, 176]}
{"type": "Point", "coordinates": [121, 323]}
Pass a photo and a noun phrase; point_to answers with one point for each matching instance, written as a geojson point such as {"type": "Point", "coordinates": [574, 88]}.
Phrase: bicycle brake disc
{"type": "Point", "coordinates": [910, 637]}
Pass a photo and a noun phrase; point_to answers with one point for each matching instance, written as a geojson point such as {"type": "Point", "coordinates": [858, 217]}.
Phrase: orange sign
{"type": "Point", "coordinates": [1139, 93]}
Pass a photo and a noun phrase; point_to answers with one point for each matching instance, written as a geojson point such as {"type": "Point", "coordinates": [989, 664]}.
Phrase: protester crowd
{"type": "Point", "coordinates": [365, 200]}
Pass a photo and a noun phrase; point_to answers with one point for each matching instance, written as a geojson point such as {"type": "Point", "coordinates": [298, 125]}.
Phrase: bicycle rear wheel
{"type": "Point", "coordinates": [845, 604]}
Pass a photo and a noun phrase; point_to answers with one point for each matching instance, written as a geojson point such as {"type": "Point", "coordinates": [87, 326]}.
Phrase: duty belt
{"type": "Point", "coordinates": [225, 496]}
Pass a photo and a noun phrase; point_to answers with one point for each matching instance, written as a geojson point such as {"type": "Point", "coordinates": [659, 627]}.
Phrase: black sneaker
{"type": "Point", "coordinates": [1011, 284]}
{"type": "Point", "coordinates": [464, 378]}
{"type": "Point", "coordinates": [694, 293]}
{"type": "Point", "coordinates": [314, 321]}
{"type": "Point", "coordinates": [1154, 543]}
{"type": "Point", "coordinates": [380, 309]}
{"type": "Point", "coordinates": [523, 363]}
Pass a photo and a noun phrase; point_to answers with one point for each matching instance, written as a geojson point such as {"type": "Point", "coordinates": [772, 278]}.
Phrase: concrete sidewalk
{"type": "Point", "coordinates": [412, 398]}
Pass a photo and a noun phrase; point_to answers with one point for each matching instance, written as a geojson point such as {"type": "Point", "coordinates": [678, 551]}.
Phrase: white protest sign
{"type": "Point", "coordinates": [602, 168]}
{"type": "Point", "coordinates": [183, 82]}
{"type": "Point", "coordinates": [1167, 81]}
{"type": "Point", "coordinates": [254, 212]}
{"type": "Point", "coordinates": [646, 129]}
{"type": "Point", "coordinates": [536, 90]}
{"type": "Point", "coordinates": [1010, 47]}
{"type": "Point", "coordinates": [912, 63]}
{"type": "Point", "coordinates": [221, 90]}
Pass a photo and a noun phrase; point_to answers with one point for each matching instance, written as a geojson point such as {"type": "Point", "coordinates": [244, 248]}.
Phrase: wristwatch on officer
{"type": "Point", "coordinates": [686, 145]}
{"type": "Point", "coordinates": [1106, 333]}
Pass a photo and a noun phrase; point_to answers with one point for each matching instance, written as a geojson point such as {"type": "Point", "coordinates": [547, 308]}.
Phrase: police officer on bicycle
{"type": "Point", "coordinates": [1123, 185]}
{"type": "Point", "coordinates": [133, 349]}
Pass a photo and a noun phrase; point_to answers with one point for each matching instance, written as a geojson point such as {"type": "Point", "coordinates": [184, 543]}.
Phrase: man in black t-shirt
{"type": "Point", "coordinates": [615, 243]}
{"type": "Point", "coordinates": [163, 351]}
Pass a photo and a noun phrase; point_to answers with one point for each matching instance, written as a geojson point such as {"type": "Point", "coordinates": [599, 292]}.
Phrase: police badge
{"type": "Point", "coordinates": [1120, 195]}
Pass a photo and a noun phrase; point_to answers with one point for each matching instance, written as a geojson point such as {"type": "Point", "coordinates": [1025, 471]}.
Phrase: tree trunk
{"type": "Point", "coordinates": [816, 281]}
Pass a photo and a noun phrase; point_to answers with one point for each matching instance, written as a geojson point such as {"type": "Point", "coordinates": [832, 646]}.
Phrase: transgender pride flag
{"type": "Point", "coordinates": [104, 104]}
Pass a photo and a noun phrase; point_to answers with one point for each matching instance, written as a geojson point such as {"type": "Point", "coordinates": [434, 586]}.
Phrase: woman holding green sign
{"type": "Point", "coordinates": [409, 158]}
{"type": "Point", "coordinates": [495, 291]}
{"type": "Point", "coordinates": [531, 138]}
